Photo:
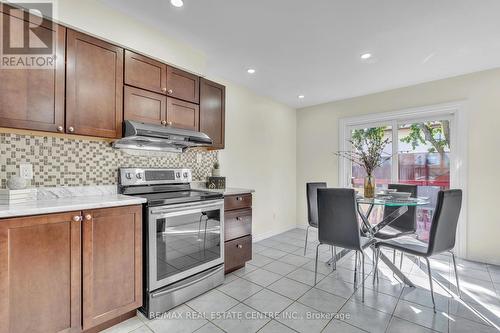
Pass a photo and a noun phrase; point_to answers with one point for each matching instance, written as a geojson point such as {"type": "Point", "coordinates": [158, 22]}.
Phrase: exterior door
{"type": "Point", "coordinates": [94, 86]}
{"type": "Point", "coordinates": [112, 263]}
{"type": "Point", "coordinates": [34, 98]}
{"type": "Point", "coordinates": [212, 111]}
{"type": "Point", "coordinates": [40, 274]}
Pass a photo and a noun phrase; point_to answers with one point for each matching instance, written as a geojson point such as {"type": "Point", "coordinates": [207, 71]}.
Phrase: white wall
{"type": "Point", "coordinates": [317, 139]}
{"type": "Point", "coordinates": [260, 133]}
{"type": "Point", "coordinates": [260, 154]}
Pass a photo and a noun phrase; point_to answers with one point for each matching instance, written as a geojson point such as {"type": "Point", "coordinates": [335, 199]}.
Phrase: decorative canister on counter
{"type": "Point", "coordinates": [216, 183]}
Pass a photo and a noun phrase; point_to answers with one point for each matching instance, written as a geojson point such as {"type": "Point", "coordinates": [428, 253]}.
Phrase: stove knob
{"type": "Point", "coordinates": [139, 176]}
{"type": "Point", "coordinates": [185, 175]}
{"type": "Point", "coordinates": [128, 175]}
{"type": "Point", "coordinates": [177, 175]}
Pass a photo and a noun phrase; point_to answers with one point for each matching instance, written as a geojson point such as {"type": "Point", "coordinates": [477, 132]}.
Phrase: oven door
{"type": "Point", "coordinates": [184, 239]}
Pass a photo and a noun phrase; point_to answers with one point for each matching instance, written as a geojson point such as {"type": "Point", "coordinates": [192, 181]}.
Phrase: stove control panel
{"type": "Point", "coordinates": [137, 176]}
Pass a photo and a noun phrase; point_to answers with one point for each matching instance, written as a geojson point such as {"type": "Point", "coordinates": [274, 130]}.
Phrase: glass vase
{"type": "Point", "coordinates": [369, 187]}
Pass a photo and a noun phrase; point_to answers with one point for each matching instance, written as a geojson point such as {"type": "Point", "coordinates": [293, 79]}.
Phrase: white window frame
{"type": "Point", "coordinates": [452, 111]}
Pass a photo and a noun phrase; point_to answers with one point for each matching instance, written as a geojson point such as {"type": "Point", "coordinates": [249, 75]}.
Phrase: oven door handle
{"type": "Point", "coordinates": [187, 284]}
{"type": "Point", "coordinates": [186, 208]}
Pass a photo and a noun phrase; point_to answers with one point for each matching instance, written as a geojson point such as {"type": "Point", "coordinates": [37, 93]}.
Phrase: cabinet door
{"type": "Point", "coordinates": [212, 111]}
{"type": "Point", "coordinates": [33, 98]}
{"type": "Point", "coordinates": [183, 85]}
{"type": "Point", "coordinates": [182, 114]}
{"type": "Point", "coordinates": [94, 86]}
{"type": "Point", "coordinates": [144, 106]}
{"type": "Point", "coordinates": [112, 263]}
{"type": "Point", "coordinates": [40, 274]}
{"type": "Point", "coordinates": [145, 73]}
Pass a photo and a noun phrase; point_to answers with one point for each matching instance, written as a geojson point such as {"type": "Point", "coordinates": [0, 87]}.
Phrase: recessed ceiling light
{"type": "Point", "coordinates": [366, 56]}
{"type": "Point", "coordinates": [301, 96]}
{"type": "Point", "coordinates": [250, 71]}
{"type": "Point", "coordinates": [177, 3]}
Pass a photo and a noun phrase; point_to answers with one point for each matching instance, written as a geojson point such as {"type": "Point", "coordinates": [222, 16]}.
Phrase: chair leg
{"type": "Point", "coordinates": [362, 254]}
{"type": "Point", "coordinates": [456, 273]}
{"type": "Point", "coordinates": [375, 268]}
{"type": "Point", "coordinates": [355, 266]}
{"type": "Point", "coordinates": [430, 282]}
{"type": "Point", "coordinates": [305, 245]}
{"type": "Point", "coordinates": [401, 261]}
{"type": "Point", "coordinates": [316, 265]}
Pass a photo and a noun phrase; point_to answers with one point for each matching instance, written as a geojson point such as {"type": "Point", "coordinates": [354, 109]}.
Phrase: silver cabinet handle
{"type": "Point", "coordinates": [71, 129]}
{"type": "Point", "coordinates": [170, 91]}
{"type": "Point", "coordinates": [239, 246]}
{"type": "Point", "coordinates": [164, 89]}
{"type": "Point", "coordinates": [60, 128]}
{"type": "Point", "coordinates": [77, 218]}
{"type": "Point", "coordinates": [88, 217]}
{"type": "Point", "coordinates": [239, 198]}
{"type": "Point", "coordinates": [163, 122]}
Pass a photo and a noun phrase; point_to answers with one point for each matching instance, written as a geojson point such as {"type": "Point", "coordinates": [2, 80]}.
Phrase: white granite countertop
{"type": "Point", "coordinates": [232, 191]}
{"type": "Point", "coordinates": [66, 199]}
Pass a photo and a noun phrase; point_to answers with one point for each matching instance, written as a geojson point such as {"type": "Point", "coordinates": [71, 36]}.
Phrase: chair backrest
{"type": "Point", "coordinates": [337, 217]}
{"type": "Point", "coordinates": [312, 202]}
{"type": "Point", "coordinates": [408, 221]}
{"type": "Point", "coordinates": [444, 223]}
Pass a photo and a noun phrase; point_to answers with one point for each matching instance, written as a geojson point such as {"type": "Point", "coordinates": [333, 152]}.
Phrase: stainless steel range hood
{"type": "Point", "coordinates": [141, 136]}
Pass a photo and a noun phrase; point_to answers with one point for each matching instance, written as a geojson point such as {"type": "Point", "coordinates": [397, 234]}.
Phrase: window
{"type": "Point", "coordinates": [425, 151]}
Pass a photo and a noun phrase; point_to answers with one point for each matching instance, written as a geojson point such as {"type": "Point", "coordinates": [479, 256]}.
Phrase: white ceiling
{"type": "Point", "coordinates": [312, 47]}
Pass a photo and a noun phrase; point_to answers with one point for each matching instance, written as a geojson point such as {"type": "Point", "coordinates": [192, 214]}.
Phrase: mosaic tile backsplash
{"type": "Point", "coordinates": [74, 162]}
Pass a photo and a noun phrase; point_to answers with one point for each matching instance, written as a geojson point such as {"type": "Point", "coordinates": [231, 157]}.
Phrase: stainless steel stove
{"type": "Point", "coordinates": [183, 236]}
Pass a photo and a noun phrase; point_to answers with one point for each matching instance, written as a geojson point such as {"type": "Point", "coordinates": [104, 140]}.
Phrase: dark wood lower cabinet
{"type": "Point", "coordinates": [70, 272]}
{"type": "Point", "coordinates": [112, 263]}
{"type": "Point", "coordinates": [237, 231]}
{"type": "Point", "coordinates": [40, 274]}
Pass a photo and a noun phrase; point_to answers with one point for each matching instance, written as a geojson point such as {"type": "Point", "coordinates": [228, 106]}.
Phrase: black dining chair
{"type": "Point", "coordinates": [338, 225]}
{"type": "Point", "coordinates": [312, 207]}
{"type": "Point", "coordinates": [403, 225]}
{"type": "Point", "coordinates": [441, 237]}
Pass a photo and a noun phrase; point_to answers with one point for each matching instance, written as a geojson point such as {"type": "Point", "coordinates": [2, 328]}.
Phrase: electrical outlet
{"type": "Point", "coordinates": [26, 171]}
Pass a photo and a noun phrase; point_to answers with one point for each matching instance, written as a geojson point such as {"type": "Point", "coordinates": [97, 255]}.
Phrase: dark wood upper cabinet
{"type": "Point", "coordinates": [112, 263]}
{"type": "Point", "coordinates": [94, 86]}
{"type": "Point", "coordinates": [40, 274]}
{"type": "Point", "coordinates": [144, 106]}
{"type": "Point", "coordinates": [183, 85]}
{"type": "Point", "coordinates": [33, 98]}
{"type": "Point", "coordinates": [182, 114]}
{"type": "Point", "coordinates": [212, 111]}
{"type": "Point", "coordinates": [145, 73]}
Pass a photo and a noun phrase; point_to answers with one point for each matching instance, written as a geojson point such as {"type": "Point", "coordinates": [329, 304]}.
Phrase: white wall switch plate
{"type": "Point", "coordinates": [26, 171]}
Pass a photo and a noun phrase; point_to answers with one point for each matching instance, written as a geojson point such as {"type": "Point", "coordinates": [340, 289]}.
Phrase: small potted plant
{"type": "Point", "coordinates": [216, 169]}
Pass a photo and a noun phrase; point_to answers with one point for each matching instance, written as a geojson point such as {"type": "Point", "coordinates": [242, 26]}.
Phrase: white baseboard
{"type": "Point", "coordinates": [259, 237]}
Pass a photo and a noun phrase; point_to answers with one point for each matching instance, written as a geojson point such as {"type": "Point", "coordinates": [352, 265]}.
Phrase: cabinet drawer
{"type": "Point", "coordinates": [237, 223]}
{"type": "Point", "coordinates": [237, 252]}
{"type": "Point", "coordinates": [238, 201]}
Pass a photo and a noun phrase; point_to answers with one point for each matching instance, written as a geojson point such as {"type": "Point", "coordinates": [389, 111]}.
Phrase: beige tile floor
{"type": "Point", "coordinates": [275, 292]}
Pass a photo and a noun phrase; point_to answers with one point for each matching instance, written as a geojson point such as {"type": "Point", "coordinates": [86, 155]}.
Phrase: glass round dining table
{"type": "Point", "coordinates": [368, 230]}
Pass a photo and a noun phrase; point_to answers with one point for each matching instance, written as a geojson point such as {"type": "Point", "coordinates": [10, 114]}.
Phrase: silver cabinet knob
{"type": "Point", "coordinates": [88, 217]}
{"type": "Point", "coordinates": [60, 128]}
{"type": "Point", "coordinates": [77, 218]}
{"type": "Point", "coordinates": [170, 91]}
{"type": "Point", "coordinates": [164, 122]}
{"type": "Point", "coordinates": [164, 89]}
{"type": "Point", "coordinates": [169, 123]}
{"type": "Point", "coordinates": [239, 198]}
{"type": "Point", "coordinates": [71, 129]}
{"type": "Point", "coordinates": [239, 246]}
{"type": "Point", "coordinates": [238, 218]}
